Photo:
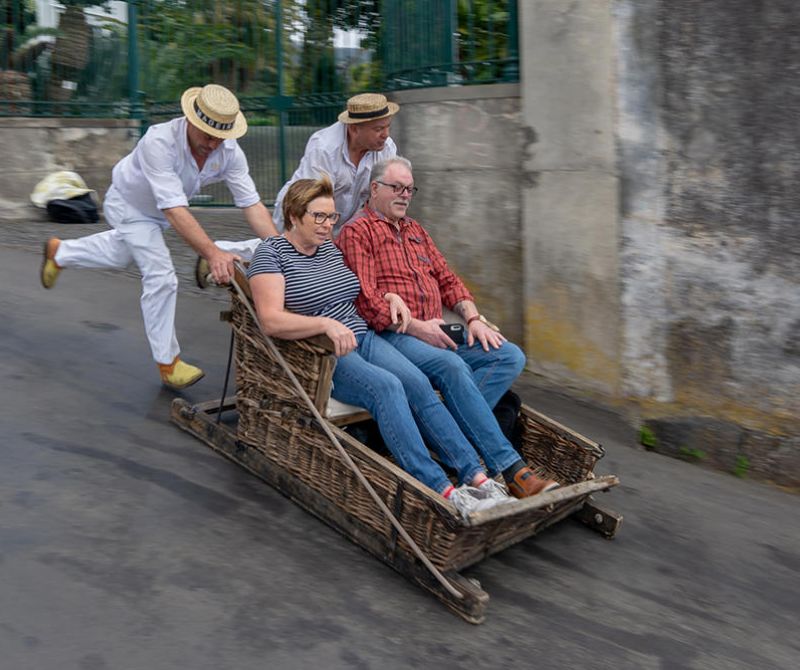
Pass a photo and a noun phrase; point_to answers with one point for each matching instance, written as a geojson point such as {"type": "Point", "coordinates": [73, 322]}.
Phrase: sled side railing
{"type": "Point", "coordinates": [273, 419]}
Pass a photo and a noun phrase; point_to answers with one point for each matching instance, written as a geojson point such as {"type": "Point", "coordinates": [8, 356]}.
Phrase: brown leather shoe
{"type": "Point", "coordinates": [526, 484]}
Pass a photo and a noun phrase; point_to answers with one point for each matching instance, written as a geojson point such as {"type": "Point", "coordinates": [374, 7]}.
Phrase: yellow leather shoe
{"type": "Point", "coordinates": [178, 375]}
{"type": "Point", "coordinates": [50, 270]}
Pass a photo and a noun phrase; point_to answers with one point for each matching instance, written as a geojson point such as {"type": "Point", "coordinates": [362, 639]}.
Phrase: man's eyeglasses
{"type": "Point", "coordinates": [321, 217]}
{"type": "Point", "coordinates": [399, 189]}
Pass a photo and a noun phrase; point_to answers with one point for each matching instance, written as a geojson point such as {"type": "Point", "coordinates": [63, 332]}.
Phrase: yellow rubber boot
{"type": "Point", "coordinates": [178, 375]}
{"type": "Point", "coordinates": [50, 270]}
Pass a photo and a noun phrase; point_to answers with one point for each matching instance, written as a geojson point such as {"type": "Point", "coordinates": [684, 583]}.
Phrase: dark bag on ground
{"type": "Point", "coordinates": [506, 411]}
{"type": "Point", "coordinates": [80, 209]}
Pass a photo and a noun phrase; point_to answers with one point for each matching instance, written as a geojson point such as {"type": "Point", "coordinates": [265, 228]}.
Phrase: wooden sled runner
{"type": "Point", "coordinates": [278, 438]}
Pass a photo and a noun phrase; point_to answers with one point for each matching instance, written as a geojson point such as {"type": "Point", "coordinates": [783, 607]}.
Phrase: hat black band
{"type": "Point", "coordinates": [368, 115]}
{"type": "Point", "coordinates": [209, 121]}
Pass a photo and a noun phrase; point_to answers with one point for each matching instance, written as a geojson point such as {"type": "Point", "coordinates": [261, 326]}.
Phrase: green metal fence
{"type": "Point", "coordinates": [460, 42]}
{"type": "Point", "coordinates": [293, 63]}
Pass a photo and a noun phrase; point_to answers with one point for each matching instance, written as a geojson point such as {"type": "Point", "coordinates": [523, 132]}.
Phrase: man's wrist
{"type": "Point", "coordinates": [413, 327]}
{"type": "Point", "coordinates": [484, 321]}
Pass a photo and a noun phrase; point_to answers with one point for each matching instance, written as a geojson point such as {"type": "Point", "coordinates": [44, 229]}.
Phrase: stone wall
{"type": "Point", "coordinates": [36, 147]}
{"type": "Point", "coordinates": [708, 95]}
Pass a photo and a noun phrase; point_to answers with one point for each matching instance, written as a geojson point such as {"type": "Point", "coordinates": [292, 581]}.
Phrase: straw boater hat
{"type": "Point", "coordinates": [368, 107]}
{"type": "Point", "coordinates": [214, 110]}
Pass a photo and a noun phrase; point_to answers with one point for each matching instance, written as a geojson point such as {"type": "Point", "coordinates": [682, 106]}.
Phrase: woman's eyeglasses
{"type": "Point", "coordinates": [321, 217]}
{"type": "Point", "coordinates": [399, 189]}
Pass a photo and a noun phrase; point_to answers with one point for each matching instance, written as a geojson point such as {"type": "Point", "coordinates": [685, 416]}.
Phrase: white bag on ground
{"type": "Point", "coordinates": [61, 185]}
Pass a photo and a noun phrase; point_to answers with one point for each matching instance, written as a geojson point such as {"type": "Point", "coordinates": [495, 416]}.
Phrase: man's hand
{"type": "Point", "coordinates": [344, 340]}
{"type": "Point", "coordinates": [488, 337]}
{"type": "Point", "coordinates": [429, 331]}
{"type": "Point", "coordinates": [401, 315]}
{"type": "Point", "coordinates": [221, 264]}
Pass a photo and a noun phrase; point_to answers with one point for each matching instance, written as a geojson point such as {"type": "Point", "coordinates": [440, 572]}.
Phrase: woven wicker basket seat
{"type": "Point", "coordinates": [278, 439]}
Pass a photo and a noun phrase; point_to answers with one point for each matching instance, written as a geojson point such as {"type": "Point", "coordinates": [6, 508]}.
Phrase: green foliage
{"type": "Point", "coordinates": [237, 43]}
{"type": "Point", "coordinates": [317, 72]}
{"type": "Point", "coordinates": [742, 466]}
{"type": "Point", "coordinates": [15, 17]}
{"type": "Point", "coordinates": [647, 438]}
{"type": "Point", "coordinates": [482, 38]}
{"type": "Point", "coordinates": [365, 77]}
{"type": "Point", "coordinates": [692, 454]}
{"type": "Point", "coordinates": [221, 41]}
{"type": "Point", "coordinates": [261, 121]}
{"type": "Point", "coordinates": [106, 76]}
{"type": "Point", "coordinates": [233, 42]}
{"type": "Point", "coordinates": [363, 15]}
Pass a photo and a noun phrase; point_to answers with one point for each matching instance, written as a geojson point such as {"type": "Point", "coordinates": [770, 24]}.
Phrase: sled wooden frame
{"type": "Point", "coordinates": [277, 439]}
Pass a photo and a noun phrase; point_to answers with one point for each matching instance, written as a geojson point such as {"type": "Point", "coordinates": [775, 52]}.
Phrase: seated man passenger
{"type": "Point", "coordinates": [390, 254]}
{"type": "Point", "coordinates": [301, 287]}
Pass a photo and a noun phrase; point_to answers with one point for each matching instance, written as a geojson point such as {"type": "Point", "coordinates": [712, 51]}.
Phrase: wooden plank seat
{"type": "Point", "coordinates": [278, 439]}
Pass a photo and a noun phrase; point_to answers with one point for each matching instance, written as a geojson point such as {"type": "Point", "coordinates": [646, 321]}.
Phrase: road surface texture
{"type": "Point", "coordinates": [127, 544]}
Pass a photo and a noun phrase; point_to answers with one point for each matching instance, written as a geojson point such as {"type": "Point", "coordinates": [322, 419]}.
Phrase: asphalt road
{"type": "Point", "coordinates": [127, 544]}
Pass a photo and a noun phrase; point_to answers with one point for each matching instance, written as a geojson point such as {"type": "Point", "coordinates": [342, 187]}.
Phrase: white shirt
{"type": "Point", "coordinates": [161, 172]}
{"type": "Point", "coordinates": [326, 152]}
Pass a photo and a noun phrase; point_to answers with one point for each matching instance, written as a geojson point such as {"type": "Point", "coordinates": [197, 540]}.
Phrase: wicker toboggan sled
{"type": "Point", "coordinates": [282, 440]}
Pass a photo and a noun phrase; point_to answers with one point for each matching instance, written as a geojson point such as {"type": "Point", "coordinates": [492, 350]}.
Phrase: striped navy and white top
{"type": "Point", "coordinates": [317, 285]}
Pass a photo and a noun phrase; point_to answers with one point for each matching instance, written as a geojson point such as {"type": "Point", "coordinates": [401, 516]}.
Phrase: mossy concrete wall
{"type": "Point", "coordinates": [570, 187]}
{"type": "Point", "coordinates": [708, 98]}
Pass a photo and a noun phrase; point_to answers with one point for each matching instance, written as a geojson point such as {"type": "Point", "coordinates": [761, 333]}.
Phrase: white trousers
{"type": "Point", "coordinates": [136, 238]}
{"type": "Point", "coordinates": [244, 249]}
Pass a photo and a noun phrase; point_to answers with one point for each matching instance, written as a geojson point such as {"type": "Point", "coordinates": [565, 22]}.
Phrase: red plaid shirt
{"type": "Point", "coordinates": [405, 262]}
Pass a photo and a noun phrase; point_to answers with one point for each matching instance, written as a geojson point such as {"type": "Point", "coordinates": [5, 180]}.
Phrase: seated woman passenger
{"type": "Point", "coordinates": [301, 287]}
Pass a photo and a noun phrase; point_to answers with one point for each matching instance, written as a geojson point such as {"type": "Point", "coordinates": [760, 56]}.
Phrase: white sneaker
{"type": "Point", "coordinates": [468, 499]}
{"type": "Point", "coordinates": [494, 489]}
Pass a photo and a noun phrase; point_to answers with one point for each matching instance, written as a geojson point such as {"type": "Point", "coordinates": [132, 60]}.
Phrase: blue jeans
{"type": "Point", "coordinates": [471, 382]}
{"type": "Point", "coordinates": [405, 406]}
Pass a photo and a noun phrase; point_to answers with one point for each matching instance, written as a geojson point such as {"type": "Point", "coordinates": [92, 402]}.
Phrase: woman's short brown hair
{"type": "Point", "coordinates": [300, 194]}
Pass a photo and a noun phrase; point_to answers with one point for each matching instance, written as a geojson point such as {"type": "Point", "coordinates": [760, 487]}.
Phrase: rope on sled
{"type": "Point", "coordinates": [342, 452]}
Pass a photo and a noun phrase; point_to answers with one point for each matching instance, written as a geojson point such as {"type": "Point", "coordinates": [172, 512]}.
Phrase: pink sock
{"type": "Point", "coordinates": [446, 493]}
{"type": "Point", "coordinates": [480, 478]}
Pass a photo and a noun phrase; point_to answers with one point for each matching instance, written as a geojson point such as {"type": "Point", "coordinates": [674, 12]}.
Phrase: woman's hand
{"type": "Point", "coordinates": [344, 340]}
{"type": "Point", "coordinates": [401, 315]}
